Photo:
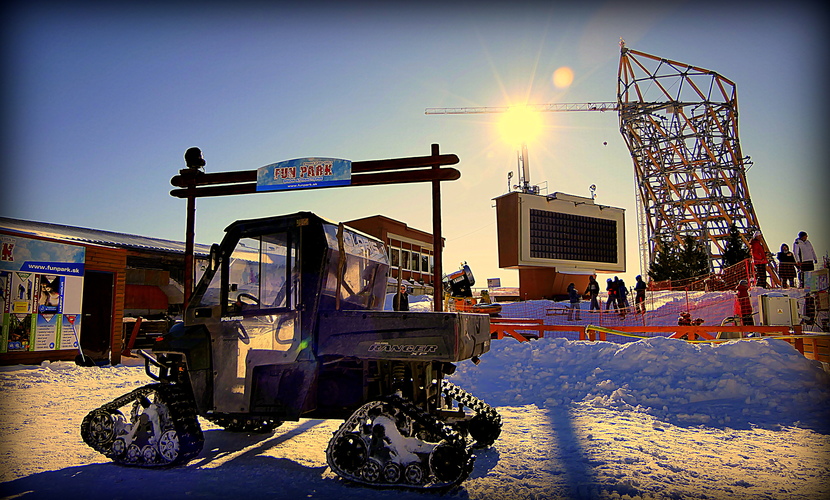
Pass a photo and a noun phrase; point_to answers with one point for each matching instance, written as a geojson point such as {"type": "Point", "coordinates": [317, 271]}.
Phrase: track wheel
{"type": "Point", "coordinates": [149, 454]}
{"type": "Point", "coordinates": [414, 474]}
{"type": "Point", "coordinates": [133, 453]}
{"type": "Point", "coordinates": [371, 471]}
{"type": "Point", "coordinates": [168, 446]}
{"type": "Point", "coordinates": [349, 452]}
{"type": "Point", "coordinates": [119, 447]}
{"type": "Point", "coordinates": [101, 426]}
{"type": "Point", "coordinates": [392, 472]}
{"type": "Point", "coordinates": [448, 462]}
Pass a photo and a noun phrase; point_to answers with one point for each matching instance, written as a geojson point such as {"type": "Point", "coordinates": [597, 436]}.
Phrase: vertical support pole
{"type": "Point", "coordinates": [189, 238]}
{"type": "Point", "coordinates": [437, 287]}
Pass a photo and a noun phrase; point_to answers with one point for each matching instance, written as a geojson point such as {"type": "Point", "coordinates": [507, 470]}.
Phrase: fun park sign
{"type": "Point", "coordinates": [303, 173]}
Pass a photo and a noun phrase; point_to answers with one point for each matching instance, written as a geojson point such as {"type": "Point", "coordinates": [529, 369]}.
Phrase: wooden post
{"type": "Point", "coordinates": [437, 287]}
{"type": "Point", "coordinates": [189, 235]}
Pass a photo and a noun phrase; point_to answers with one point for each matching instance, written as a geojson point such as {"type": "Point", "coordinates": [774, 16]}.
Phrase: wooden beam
{"type": "Point", "coordinates": [369, 179]}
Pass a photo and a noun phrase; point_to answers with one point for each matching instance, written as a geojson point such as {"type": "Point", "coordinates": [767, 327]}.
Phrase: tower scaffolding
{"type": "Point", "coordinates": [680, 124]}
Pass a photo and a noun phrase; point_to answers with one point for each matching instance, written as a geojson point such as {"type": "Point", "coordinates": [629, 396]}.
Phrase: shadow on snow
{"type": "Point", "coordinates": [231, 465]}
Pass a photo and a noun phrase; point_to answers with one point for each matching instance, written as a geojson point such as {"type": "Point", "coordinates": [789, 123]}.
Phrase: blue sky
{"type": "Point", "coordinates": [101, 101]}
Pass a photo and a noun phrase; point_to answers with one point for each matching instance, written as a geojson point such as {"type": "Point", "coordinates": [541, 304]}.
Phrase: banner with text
{"type": "Point", "coordinates": [40, 282]}
{"type": "Point", "coordinates": [304, 173]}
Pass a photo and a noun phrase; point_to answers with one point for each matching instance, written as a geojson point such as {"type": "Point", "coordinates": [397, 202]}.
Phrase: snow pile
{"type": "Point", "coordinates": [736, 384]}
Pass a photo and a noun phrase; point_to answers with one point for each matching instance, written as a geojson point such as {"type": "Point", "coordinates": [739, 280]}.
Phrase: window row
{"type": "Point", "coordinates": [410, 261]}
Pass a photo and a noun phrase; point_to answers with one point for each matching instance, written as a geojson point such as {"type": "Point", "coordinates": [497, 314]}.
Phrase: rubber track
{"type": "Point", "coordinates": [465, 398]}
{"type": "Point", "coordinates": [438, 429]}
{"type": "Point", "coordinates": [475, 404]}
{"type": "Point", "coordinates": [181, 409]}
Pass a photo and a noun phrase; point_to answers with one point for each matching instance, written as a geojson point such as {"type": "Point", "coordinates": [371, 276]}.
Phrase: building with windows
{"type": "Point", "coordinates": [62, 284]}
{"type": "Point", "coordinates": [411, 252]}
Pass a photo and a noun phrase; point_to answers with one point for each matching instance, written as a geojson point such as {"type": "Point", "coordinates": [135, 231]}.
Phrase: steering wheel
{"type": "Point", "coordinates": [244, 295]}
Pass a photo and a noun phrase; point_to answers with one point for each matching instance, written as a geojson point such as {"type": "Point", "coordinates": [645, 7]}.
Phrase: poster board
{"type": "Point", "coordinates": [41, 290]}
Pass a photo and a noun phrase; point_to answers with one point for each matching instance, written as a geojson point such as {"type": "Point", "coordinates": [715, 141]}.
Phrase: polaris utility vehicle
{"type": "Point", "coordinates": [286, 323]}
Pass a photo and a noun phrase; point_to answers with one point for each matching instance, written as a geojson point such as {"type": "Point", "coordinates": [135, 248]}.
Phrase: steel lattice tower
{"type": "Point", "coordinates": [680, 124]}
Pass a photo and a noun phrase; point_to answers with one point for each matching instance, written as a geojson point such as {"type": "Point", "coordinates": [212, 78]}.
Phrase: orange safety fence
{"type": "Point", "coordinates": [812, 346]}
{"type": "Point", "coordinates": [661, 309]}
{"type": "Point", "coordinates": [727, 279]}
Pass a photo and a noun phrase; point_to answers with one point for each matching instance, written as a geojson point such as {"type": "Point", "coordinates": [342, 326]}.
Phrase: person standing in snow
{"type": "Point", "coordinates": [573, 296]}
{"type": "Point", "coordinates": [759, 259]}
{"type": "Point", "coordinates": [593, 292]}
{"type": "Point", "coordinates": [805, 256]}
{"type": "Point", "coordinates": [622, 298]}
{"type": "Point", "coordinates": [400, 302]}
{"type": "Point", "coordinates": [744, 306]}
{"type": "Point", "coordinates": [640, 296]}
{"type": "Point", "coordinates": [612, 295]}
{"type": "Point", "coordinates": [786, 266]}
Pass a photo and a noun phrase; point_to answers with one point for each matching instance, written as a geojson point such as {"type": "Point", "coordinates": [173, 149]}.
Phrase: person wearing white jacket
{"type": "Point", "coordinates": [805, 256]}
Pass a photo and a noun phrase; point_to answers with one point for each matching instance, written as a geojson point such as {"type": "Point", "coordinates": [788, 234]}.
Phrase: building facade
{"type": "Point", "coordinates": [411, 251]}
{"type": "Point", "coordinates": [62, 286]}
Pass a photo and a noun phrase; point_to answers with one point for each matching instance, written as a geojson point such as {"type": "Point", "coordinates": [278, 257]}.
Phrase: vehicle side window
{"type": "Point", "coordinates": [263, 274]}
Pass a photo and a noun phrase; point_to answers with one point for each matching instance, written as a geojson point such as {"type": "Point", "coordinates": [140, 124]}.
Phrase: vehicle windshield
{"type": "Point", "coordinates": [262, 274]}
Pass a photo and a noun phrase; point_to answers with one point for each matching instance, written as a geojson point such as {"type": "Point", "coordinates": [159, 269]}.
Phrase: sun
{"type": "Point", "coordinates": [520, 125]}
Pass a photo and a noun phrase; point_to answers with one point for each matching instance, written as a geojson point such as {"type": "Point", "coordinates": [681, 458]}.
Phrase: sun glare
{"type": "Point", "coordinates": [520, 124]}
{"type": "Point", "coordinates": [563, 77]}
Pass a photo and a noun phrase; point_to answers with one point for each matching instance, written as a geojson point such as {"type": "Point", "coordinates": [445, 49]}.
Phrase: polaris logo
{"type": "Point", "coordinates": [413, 349]}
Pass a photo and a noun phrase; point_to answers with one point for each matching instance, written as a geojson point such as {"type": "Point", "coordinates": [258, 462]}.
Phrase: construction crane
{"type": "Point", "coordinates": [524, 169]}
{"type": "Point", "coordinates": [680, 124]}
{"type": "Point", "coordinates": [573, 106]}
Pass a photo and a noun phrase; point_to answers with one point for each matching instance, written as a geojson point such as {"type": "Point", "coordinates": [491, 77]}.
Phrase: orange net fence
{"type": "Point", "coordinates": [727, 279]}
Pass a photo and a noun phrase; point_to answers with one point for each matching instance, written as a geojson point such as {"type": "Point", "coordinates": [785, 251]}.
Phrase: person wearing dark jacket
{"type": "Point", "coordinates": [610, 287]}
{"type": "Point", "coordinates": [759, 259]}
{"type": "Point", "coordinates": [593, 292]}
{"type": "Point", "coordinates": [622, 299]}
{"type": "Point", "coordinates": [573, 296]}
{"type": "Point", "coordinates": [786, 266]}
{"type": "Point", "coordinates": [622, 296]}
{"type": "Point", "coordinates": [400, 302]}
{"type": "Point", "coordinates": [640, 296]}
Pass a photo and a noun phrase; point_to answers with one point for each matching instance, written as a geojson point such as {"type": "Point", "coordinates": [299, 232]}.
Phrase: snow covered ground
{"type": "Point", "coordinates": [656, 418]}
